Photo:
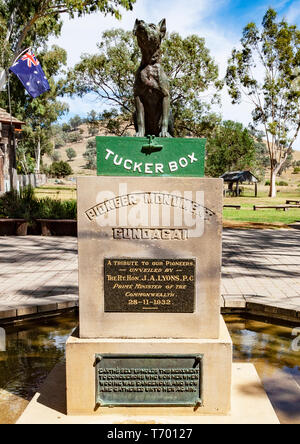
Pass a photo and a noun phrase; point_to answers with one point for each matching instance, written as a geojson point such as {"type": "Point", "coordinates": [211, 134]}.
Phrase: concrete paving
{"type": "Point", "coordinates": [261, 274]}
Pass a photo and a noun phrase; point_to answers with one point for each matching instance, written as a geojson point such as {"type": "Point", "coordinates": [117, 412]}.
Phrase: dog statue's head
{"type": "Point", "coordinates": [149, 36]}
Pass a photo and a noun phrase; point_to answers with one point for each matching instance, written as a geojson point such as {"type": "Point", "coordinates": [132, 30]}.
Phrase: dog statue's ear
{"type": "Point", "coordinates": [163, 27]}
{"type": "Point", "coordinates": [137, 22]}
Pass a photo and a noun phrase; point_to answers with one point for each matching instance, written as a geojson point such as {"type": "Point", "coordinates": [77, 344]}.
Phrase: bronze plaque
{"type": "Point", "coordinates": [145, 380]}
{"type": "Point", "coordinates": [149, 285]}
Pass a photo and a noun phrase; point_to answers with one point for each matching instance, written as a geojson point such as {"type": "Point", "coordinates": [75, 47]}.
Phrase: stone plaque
{"type": "Point", "coordinates": [145, 380]}
{"type": "Point", "coordinates": [172, 223]}
{"type": "Point", "coordinates": [149, 285]}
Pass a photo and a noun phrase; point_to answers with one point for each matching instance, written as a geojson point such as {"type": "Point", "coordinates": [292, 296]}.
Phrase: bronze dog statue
{"type": "Point", "coordinates": [151, 87]}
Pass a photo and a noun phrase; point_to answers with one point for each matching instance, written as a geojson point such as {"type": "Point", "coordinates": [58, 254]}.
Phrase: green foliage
{"type": "Point", "coordinates": [34, 21]}
{"type": "Point", "coordinates": [55, 157]}
{"type": "Point", "coordinates": [296, 170]}
{"type": "Point", "coordinates": [91, 155]}
{"type": "Point", "coordinates": [273, 50]}
{"type": "Point", "coordinates": [75, 122]}
{"type": "Point", "coordinates": [73, 137]}
{"type": "Point", "coordinates": [24, 205]}
{"type": "Point", "coordinates": [30, 23]}
{"type": "Point", "coordinates": [20, 205]}
{"type": "Point", "coordinates": [57, 209]}
{"type": "Point", "coordinates": [93, 123]}
{"type": "Point", "coordinates": [43, 111]}
{"type": "Point", "coordinates": [110, 75]}
{"type": "Point", "coordinates": [71, 153]}
{"type": "Point", "coordinates": [231, 148]}
{"type": "Point", "coordinates": [60, 169]}
{"type": "Point", "coordinates": [282, 183]}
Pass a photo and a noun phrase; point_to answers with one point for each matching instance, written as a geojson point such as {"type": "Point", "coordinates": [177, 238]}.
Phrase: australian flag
{"type": "Point", "coordinates": [30, 73]}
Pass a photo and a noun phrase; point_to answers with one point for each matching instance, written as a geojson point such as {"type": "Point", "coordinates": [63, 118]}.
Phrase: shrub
{"type": "Point", "coordinates": [56, 209]}
{"type": "Point", "coordinates": [60, 169]}
{"type": "Point", "coordinates": [74, 137]}
{"type": "Point", "coordinates": [282, 183]}
{"type": "Point", "coordinates": [20, 205]}
{"type": "Point", "coordinates": [71, 153]}
{"type": "Point", "coordinates": [296, 170]}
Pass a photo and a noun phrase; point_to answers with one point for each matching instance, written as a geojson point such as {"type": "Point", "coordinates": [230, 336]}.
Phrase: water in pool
{"type": "Point", "coordinates": [34, 348]}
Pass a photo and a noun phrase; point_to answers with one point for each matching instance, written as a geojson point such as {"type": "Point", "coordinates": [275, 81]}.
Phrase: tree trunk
{"type": "Point", "coordinates": [272, 192]}
{"type": "Point", "coordinates": [38, 156]}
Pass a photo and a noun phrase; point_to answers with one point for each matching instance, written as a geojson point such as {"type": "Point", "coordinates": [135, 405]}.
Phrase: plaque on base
{"type": "Point", "coordinates": [145, 380]}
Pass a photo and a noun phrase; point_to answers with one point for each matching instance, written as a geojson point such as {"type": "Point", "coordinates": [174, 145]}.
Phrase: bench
{"type": "Point", "coordinates": [58, 227]}
{"type": "Point", "coordinates": [295, 202]}
{"type": "Point", "coordinates": [276, 207]}
{"type": "Point", "coordinates": [237, 207]}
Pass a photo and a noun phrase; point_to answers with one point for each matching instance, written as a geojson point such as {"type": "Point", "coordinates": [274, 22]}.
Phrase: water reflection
{"type": "Point", "coordinates": [269, 348]}
{"type": "Point", "coordinates": [33, 349]}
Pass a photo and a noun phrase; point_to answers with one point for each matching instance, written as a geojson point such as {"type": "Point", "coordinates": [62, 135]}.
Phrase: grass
{"type": "Point", "coordinates": [272, 216]}
{"type": "Point", "coordinates": [245, 217]}
{"type": "Point", "coordinates": [56, 192]}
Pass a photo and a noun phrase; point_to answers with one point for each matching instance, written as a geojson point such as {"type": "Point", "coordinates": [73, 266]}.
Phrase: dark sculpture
{"type": "Point", "coordinates": [151, 87]}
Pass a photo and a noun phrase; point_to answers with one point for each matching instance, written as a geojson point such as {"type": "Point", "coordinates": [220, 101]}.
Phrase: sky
{"type": "Point", "coordinates": [220, 22]}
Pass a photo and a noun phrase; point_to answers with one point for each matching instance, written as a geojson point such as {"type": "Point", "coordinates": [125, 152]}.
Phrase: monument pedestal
{"type": "Point", "coordinates": [215, 375]}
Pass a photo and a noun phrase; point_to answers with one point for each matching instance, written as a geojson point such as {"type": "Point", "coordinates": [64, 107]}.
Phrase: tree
{"type": "Point", "coordinates": [93, 123]}
{"type": "Point", "coordinates": [231, 148]}
{"type": "Point", "coordinates": [264, 70]}
{"type": "Point", "coordinates": [91, 155]}
{"type": "Point", "coordinates": [71, 153]}
{"type": "Point", "coordinates": [60, 169]}
{"type": "Point", "coordinates": [43, 111]}
{"type": "Point", "coordinates": [110, 75]}
{"type": "Point", "coordinates": [75, 122]}
{"type": "Point", "coordinates": [27, 21]}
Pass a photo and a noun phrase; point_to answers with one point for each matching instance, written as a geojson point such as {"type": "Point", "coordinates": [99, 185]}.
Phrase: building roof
{"type": "Point", "coordinates": [239, 176]}
{"type": "Point", "coordinates": [5, 118]}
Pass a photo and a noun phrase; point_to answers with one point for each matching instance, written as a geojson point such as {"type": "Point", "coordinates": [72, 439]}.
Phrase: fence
{"type": "Point", "coordinates": [35, 180]}
{"type": "Point", "coordinates": [21, 181]}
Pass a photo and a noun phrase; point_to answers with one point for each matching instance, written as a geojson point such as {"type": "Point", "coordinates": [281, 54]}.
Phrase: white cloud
{"type": "Point", "coordinates": [293, 13]}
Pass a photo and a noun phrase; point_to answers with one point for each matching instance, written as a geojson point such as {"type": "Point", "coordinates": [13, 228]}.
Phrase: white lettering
{"type": "Point", "coordinates": [159, 168]}
{"type": "Point", "coordinates": [137, 166]}
{"type": "Point", "coordinates": [127, 161]}
{"type": "Point", "coordinates": [173, 166]}
{"type": "Point", "coordinates": [108, 153]}
{"type": "Point", "coordinates": [148, 168]}
{"type": "Point", "coordinates": [183, 162]}
{"type": "Point", "coordinates": [193, 158]}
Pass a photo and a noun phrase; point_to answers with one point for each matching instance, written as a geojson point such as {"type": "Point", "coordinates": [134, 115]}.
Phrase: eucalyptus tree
{"type": "Point", "coordinates": [28, 21]}
{"type": "Point", "coordinates": [193, 75]}
{"type": "Point", "coordinates": [265, 70]}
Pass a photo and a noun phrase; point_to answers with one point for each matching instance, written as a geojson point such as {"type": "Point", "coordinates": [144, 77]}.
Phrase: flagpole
{"type": "Point", "coordinates": [12, 133]}
{"type": "Point", "coordinates": [9, 96]}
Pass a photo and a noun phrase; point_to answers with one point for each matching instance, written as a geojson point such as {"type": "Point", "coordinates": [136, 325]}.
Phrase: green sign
{"type": "Point", "coordinates": [150, 156]}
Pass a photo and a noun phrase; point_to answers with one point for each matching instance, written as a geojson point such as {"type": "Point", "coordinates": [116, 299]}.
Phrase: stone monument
{"type": "Point", "coordinates": [149, 237]}
{"type": "Point", "coordinates": [151, 344]}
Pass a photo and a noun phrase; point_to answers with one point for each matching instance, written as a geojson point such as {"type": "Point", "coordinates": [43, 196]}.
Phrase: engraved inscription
{"type": "Point", "coordinates": [141, 380]}
{"type": "Point", "coordinates": [150, 234]}
{"type": "Point", "coordinates": [170, 200]}
{"type": "Point", "coordinates": [149, 285]}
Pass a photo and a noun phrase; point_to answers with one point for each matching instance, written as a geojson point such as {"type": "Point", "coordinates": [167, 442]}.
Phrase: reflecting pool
{"type": "Point", "coordinates": [34, 348]}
